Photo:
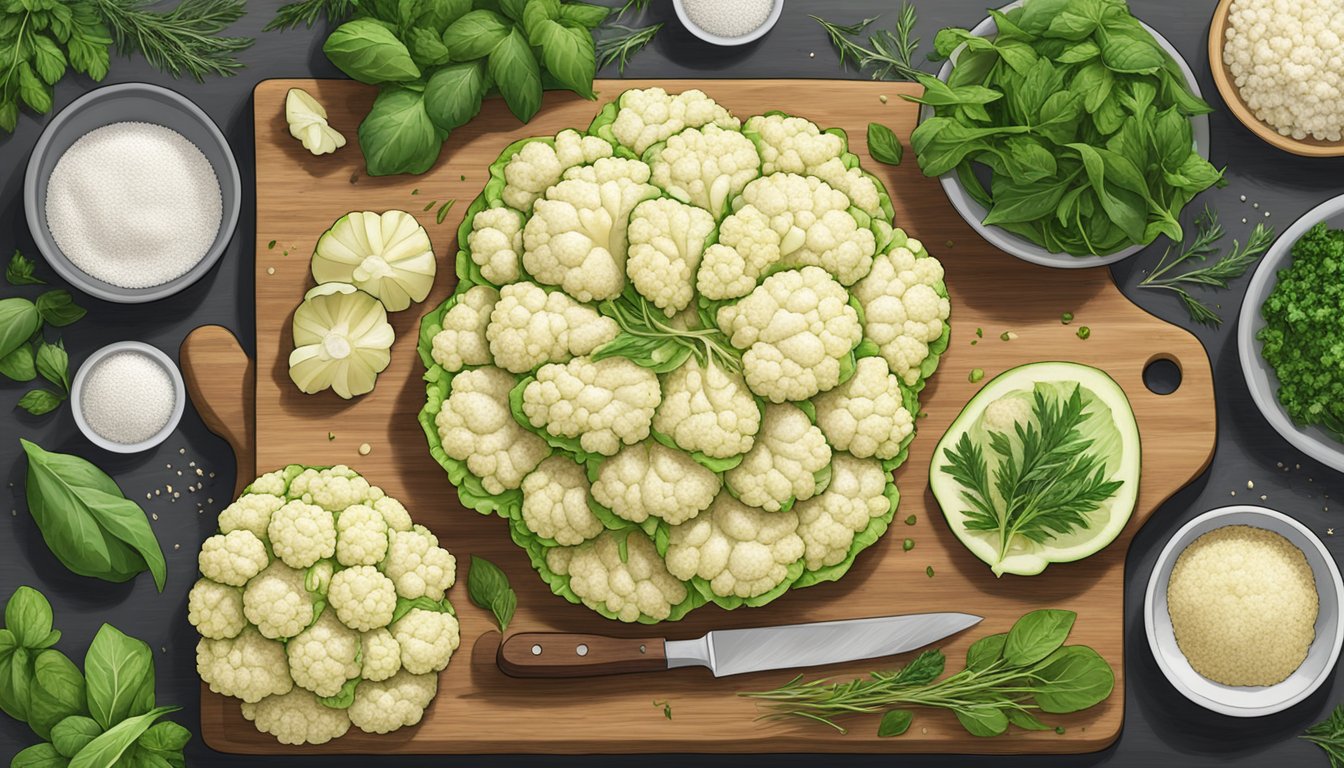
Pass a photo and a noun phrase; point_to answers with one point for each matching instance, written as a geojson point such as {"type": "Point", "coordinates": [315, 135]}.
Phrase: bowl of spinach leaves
{"type": "Point", "coordinates": [1066, 132]}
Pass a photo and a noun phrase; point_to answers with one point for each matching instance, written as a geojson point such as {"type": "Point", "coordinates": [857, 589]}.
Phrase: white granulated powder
{"type": "Point", "coordinates": [127, 398]}
{"type": "Point", "coordinates": [134, 204]}
{"type": "Point", "coordinates": [728, 18]}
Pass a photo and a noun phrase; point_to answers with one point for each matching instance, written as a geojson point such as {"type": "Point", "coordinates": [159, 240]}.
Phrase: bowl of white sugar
{"type": "Point", "coordinates": [728, 22]}
{"type": "Point", "coordinates": [132, 193]}
{"type": "Point", "coordinates": [128, 397]}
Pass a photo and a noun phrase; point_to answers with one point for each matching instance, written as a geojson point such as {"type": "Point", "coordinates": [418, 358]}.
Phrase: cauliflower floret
{"type": "Point", "coordinates": [394, 514]}
{"type": "Point", "coordinates": [1006, 413]}
{"type": "Point", "coordinates": [361, 536]}
{"type": "Point", "coordinates": [216, 610]}
{"type": "Point", "coordinates": [555, 502]}
{"type": "Point", "coordinates": [650, 115]}
{"type": "Point", "coordinates": [650, 479]}
{"type": "Point", "coordinates": [380, 654]}
{"type": "Point", "coordinates": [247, 667]}
{"type": "Point", "coordinates": [902, 311]}
{"type": "Point", "coordinates": [462, 341]}
{"type": "Point", "coordinates": [530, 326]}
{"type": "Point", "coordinates": [603, 403]}
{"type": "Point", "coordinates": [705, 167]}
{"type": "Point", "coordinates": [278, 603]}
{"type": "Point", "coordinates": [667, 239]}
{"type": "Point", "coordinates": [297, 718]}
{"type": "Point", "coordinates": [708, 409]}
{"type": "Point", "coordinates": [785, 463]}
{"type": "Point", "coordinates": [324, 656]}
{"type": "Point", "coordinates": [418, 566]}
{"type": "Point", "coordinates": [301, 534]}
{"type": "Point", "coordinates": [476, 426]}
{"type": "Point", "coordinates": [333, 488]}
{"type": "Point", "coordinates": [795, 328]}
{"type": "Point", "coordinates": [272, 483]}
{"type": "Point", "coordinates": [869, 415]}
{"type": "Point", "coordinates": [251, 512]}
{"type": "Point", "coordinates": [828, 523]}
{"type": "Point", "coordinates": [363, 598]}
{"type": "Point", "coordinates": [495, 243]}
{"type": "Point", "coordinates": [628, 587]}
{"type": "Point", "coordinates": [576, 238]}
{"type": "Point", "coordinates": [796, 145]}
{"type": "Point", "coordinates": [539, 164]}
{"type": "Point", "coordinates": [739, 550]}
{"type": "Point", "coordinates": [399, 701]}
{"type": "Point", "coordinates": [786, 219]}
{"type": "Point", "coordinates": [232, 558]}
{"type": "Point", "coordinates": [427, 640]}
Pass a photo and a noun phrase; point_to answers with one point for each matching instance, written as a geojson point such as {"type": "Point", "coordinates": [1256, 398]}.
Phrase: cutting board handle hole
{"type": "Point", "coordinates": [1162, 374]}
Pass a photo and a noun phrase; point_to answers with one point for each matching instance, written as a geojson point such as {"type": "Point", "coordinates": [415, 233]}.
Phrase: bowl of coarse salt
{"type": "Point", "coordinates": [728, 22]}
{"type": "Point", "coordinates": [127, 397]}
{"type": "Point", "coordinates": [132, 193]}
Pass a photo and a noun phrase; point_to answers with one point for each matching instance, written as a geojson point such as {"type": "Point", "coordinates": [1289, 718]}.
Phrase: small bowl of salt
{"type": "Point", "coordinates": [728, 22]}
{"type": "Point", "coordinates": [127, 397]}
{"type": "Point", "coordinates": [132, 193]}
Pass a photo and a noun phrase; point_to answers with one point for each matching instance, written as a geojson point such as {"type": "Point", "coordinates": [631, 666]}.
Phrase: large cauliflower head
{"type": "Point", "coordinates": [672, 333]}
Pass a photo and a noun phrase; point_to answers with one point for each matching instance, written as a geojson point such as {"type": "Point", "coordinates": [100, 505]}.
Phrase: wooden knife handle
{"type": "Point", "coordinates": [560, 654]}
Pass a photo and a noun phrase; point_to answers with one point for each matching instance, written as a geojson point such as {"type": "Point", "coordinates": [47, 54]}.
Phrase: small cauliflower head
{"type": "Point", "coordinates": [555, 502]}
{"type": "Point", "coordinates": [1007, 413]}
{"type": "Point", "coordinates": [649, 479]}
{"type": "Point", "coordinates": [297, 718]}
{"type": "Point", "coordinates": [796, 328]}
{"type": "Point", "coordinates": [530, 326]}
{"type": "Point", "coordinates": [418, 566]}
{"type": "Point", "coordinates": [708, 409]}
{"type": "Point", "coordinates": [250, 512]}
{"type": "Point", "coordinates": [650, 115]}
{"type": "Point", "coordinates": [796, 145]}
{"type": "Point", "coordinates": [601, 403]}
{"type": "Point", "coordinates": [667, 239]}
{"type": "Point", "coordinates": [427, 640]}
{"type": "Point", "coordinates": [462, 341]}
{"type": "Point", "coordinates": [495, 243]}
{"type": "Point", "coordinates": [740, 551]}
{"type": "Point", "coordinates": [361, 536]}
{"type": "Point", "coordinates": [576, 238]}
{"type": "Point", "coordinates": [869, 415]}
{"type": "Point", "coordinates": [476, 426]}
{"type": "Point", "coordinates": [248, 667]}
{"type": "Point", "coordinates": [399, 701]}
{"type": "Point", "coordinates": [232, 558]}
{"type": "Point", "coordinates": [706, 167]}
{"type": "Point", "coordinates": [216, 610]}
{"type": "Point", "coordinates": [301, 534]}
{"type": "Point", "coordinates": [828, 523]}
{"type": "Point", "coordinates": [788, 461]}
{"type": "Point", "coordinates": [362, 597]}
{"type": "Point", "coordinates": [626, 583]}
{"type": "Point", "coordinates": [540, 164]}
{"type": "Point", "coordinates": [902, 310]}
{"type": "Point", "coordinates": [324, 656]}
{"type": "Point", "coordinates": [278, 602]}
{"type": "Point", "coordinates": [332, 488]}
{"type": "Point", "coordinates": [380, 655]}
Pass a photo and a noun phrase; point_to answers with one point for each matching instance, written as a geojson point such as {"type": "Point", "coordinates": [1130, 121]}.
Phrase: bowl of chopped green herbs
{"type": "Point", "coordinates": [1290, 335]}
{"type": "Point", "coordinates": [1066, 132]}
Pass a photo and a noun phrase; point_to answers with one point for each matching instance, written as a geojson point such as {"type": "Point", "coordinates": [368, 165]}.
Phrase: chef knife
{"type": "Point", "coordinates": [726, 651]}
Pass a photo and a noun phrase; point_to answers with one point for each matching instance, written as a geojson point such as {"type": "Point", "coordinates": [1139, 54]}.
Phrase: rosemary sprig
{"type": "Point", "coordinates": [637, 6]}
{"type": "Point", "coordinates": [1329, 736]}
{"type": "Point", "coordinates": [184, 40]}
{"type": "Point", "coordinates": [890, 52]}
{"type": "Point", "coordinates": [1217, 274]}
{"type": "Point", "coordinates": [306, 12]}
{"type": "Point", "coordinates": [626, 43]}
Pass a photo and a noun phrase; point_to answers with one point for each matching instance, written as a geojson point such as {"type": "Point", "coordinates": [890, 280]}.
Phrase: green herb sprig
{"type": "Point", "coordinates": [25, 352]}
{"type": "Point", "coordinates": [1329, 736]}
{"type": "Point", "coordinates": [1216, 275]}
{"type": "Point", "coordinates": [488, 587]}
{"type": "Point", "coordinates": [649, 339]}
{"type": "Point", "coordinates": [22, 271]}
{"type": "Point", "coordinates": [626, 41]}
{"type": "Point", "coordinates": [1009, 679]}
{"type": "Point", "coordinates": [889, 54]}
{"type": "Point", "coordinates": [183, 41]}
{"type": "Point", "coordinates": [307, 12]}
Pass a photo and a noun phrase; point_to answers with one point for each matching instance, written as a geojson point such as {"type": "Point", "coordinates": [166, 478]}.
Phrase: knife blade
{"type": "Point", "coordinates": [727, 651]}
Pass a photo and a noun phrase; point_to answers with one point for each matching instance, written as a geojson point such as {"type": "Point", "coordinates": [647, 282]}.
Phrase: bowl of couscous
{"type": "Point", "coordinates": [1243, 611]}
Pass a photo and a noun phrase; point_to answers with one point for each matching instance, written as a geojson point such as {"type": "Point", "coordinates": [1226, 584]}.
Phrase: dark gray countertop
{"type": "Point", "coordinates": [1161, 727]}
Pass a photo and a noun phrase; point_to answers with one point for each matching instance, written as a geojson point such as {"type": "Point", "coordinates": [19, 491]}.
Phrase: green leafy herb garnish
{"type": "Point", "coordinates": [1084, 332]}
{"type": "Point", "coordinates": [307, 12]}
{"type": "Point", "coordinates": [889, 53]}
{"type": "Point", "coordinates": [1329, 736]}
{"type": "Point", "coordinates": [667, 708]}
{"type": "Point", "coordinates": [651, 341]}
{"type": "Point", "coordinates": [619, 42]}
{"type": "Point", "coordinates": [488, 588]}
{"type": "Point", "coordinates": [883, 144]}
{"type": "Point", "coordinates": [1215, 275]}
{"type": "Point", "coordinates": [443, 211]}
{"type": "Point", "coordinates": [184, 40]}
{"type": "Point", "coordinates": [21, 271]}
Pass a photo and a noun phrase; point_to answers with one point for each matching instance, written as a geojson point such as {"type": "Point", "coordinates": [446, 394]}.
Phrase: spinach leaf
{"type": "Point", "coordinates": [120, 677]}
{"type": "Point", "coordinates": [19, 365]}
{"type": "Point", "coordinates": [883, 144]}
{"type": "Point", "coordinates": [515, 71]}
{"type": "Point", "coordinates": [476, 34]}
{"type": "Point", "coordinates": [1020, 203]}
{"type": "Point", "coordinates": [19, 320]}
{"type": "Point", "coordinates": [58, 308]}
{"type": "Point", "coordinates": [454, 93]}
{"type": "Point", "coordinates": [983, 719]}
{"type": "Point", "coordinates": [107, 748]}
{"type": "Point", "coordinates": [985, 651]}
{"type": "Point", "coordinates": [369, 52]}
{"type": "Point", "coordinates": [74, 733]}
{"type": "Point", "coordinates": [39, 756]}
{"type": "Point", "coordinates": [58, 692]}
{"type": "Point", "coordinates": [1037, 635]}
{"type": "Point", "coordinates": [940, 94]}
{"type": "Point", "coordinates": [1125, 209]}
{"type": "Point", "coordinates": [397, 136]}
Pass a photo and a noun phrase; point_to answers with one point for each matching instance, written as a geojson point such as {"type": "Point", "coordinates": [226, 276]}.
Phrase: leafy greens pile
{"type": "Point", "coordinates": [1080, 117]}
{"type": "Point", "coordinates": [436, 61]}
{"type": "Point", "coordinates": [25, 352]}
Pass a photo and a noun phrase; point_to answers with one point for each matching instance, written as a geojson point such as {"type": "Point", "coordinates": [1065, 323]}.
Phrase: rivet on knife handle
{"type": "Point", "coordinates": [560, 654]}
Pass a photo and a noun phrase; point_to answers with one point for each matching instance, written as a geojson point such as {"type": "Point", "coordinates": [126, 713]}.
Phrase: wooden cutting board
{"type": "Point", "coordinates": [478, 709]}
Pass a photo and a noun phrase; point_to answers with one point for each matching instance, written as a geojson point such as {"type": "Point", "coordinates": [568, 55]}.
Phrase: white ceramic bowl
{"type": "Point", "coordinates": [710, 37]}
{"type": "Point", "coordinates": [973, 212]}
{"type": "Point", "coordinates": [77, 392]}
{"type": "Point", "coordinates": [1260, 378]}
{"type": "Point", "coordinates": [1247, 701]}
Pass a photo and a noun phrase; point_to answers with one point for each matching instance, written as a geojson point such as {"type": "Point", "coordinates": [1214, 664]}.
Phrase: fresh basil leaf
{"type": "Point", "coordinates": [1037, 15]}
{"type": "Point", "coordinates": [894, 723]}
{"type": "Point", "coordinates": [488, 587]}
{"type": "Point", "coordinates": [427, 48]}
{"type": "Point", "coordinates": [942, 143]}
{"type": "Point", "coordinates": [476, 34]}
{"type": "Point", "coordinates": [39, 756]}
{"type": "Point", "coordinates": [1021, 203]}
{"type": "Point", "coordinates": [54, 364]}
{"type": "Point", "coordinates": [1026, 721]}
{"type": "Point", "coordinates": [503, 606]}
{"type": "Point", "coordinates": [1172, 139]}
{"type": "Point", "coordinates": [108, 748]}
{"type": "Point", "coordinates": [514, 70]}
{"type": "Point", "coordinates": [40, 402]}
{"type": "Point", "coordinates": [1073, 679]}
{"type": "Point", "coordinates": [1019, 56]}
{"type": "Point", "coordinates": [1037, 635]}
{"type": "Point", "coordinates": [370, 53]}
{"type": "Point", "coordinates": [397, 135]}
{"type": "Point", "coordinates": [135, 757]}
{"type": "Point", "coordinates": [454, 94]}
{"type": "Point", "coordinates": [58, 692]}
{"type": "Point", "coordinates": [983, 719]}
{"type": "Point", "coordinates": [1194, 175]}
{"type": "Point", "coordinates": [120, 677]}
{"type": "Point", "coordinates": [19, 365]}
{"type": "Point", "coordinates": [16, 686]}
{"type": "Point", "coordinates": [74, 733]}
{"type": "Point", "coordinates": [586, 14]}
{"type": "Point", "coordinates": [343, 698]}
{"type": "Point", "coordinates": [535, 16]}
{"type": "Point", "coordinates": [1129, 49]}
{"type": "Point", "coordinates": [1072, 25]}
{"type": "Point", "coordinates": [1079, 52]}
{"type": "Point", "coordinates": [1059, 116]}
{"type": "Point", "coordinates": [28, 616]}
{"type": "Point", "coordinates": [422, 603]}
{"type": "Point", "coordinates": [58, 308]}
{"type": "Point", "coordinates": [568, 54]}
{"type": "Point", "coordinates": [438, 15]}
{"type": "Point", "coordinates": [19, 320]}
{"type": "Point", "coordinates": [883, 144]}
{"type": "Point", "coordinates": [985, 651]}
{"type": "Point", "coordinates": [513, 8]}
{"type": "Point", "coordinates": [1006, 28]}
{"type": "Point", "coordinates": [21, 271]}
{"type": "Point", "coordinates": [940, 94]}
{"type": "Point", "coordinates": [1124, 208]}
{"type": "Point", "coordinates": [165, 736]}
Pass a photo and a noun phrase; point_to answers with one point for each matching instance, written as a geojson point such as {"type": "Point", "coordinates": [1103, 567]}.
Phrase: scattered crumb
{"type": "Point", "coordinates": [1263, 497]}
{"type": "Point", "coordinates": [270, 270]}
{"type": "Point", "coordinates": [177, 546]}
{"type": "Point", "coordinates": [365, 449]}
{"type": "Point", "coordinates": [1234, 493]}
{"type": "Point", "coordinates": [975, 375]}
{"type": "Point", "coordinates": [812, 55]}
{"type": "Point", "coordinates": [882, 98]}
{"type": "Point", "coordinates": [1250, 484]}
{"type": "Point", "coordinates": [1243, 198]}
